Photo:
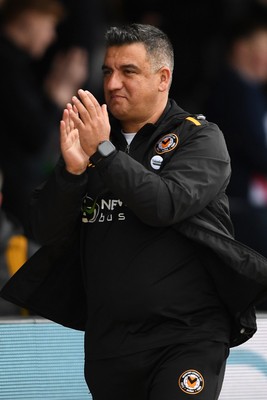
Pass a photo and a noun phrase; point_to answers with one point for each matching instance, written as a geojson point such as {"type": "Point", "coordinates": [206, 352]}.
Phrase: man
{"type": "Point", "coordinates": [137, 245]}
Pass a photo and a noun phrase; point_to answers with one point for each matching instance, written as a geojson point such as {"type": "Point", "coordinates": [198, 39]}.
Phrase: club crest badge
{"type": "Point", "coordinates": [191, 382]}
{"type": "Point", "coordinates": [167, 143]}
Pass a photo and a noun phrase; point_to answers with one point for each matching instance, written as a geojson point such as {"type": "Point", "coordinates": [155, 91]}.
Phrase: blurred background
{"type": "Point", "coordinates": [51, 48]}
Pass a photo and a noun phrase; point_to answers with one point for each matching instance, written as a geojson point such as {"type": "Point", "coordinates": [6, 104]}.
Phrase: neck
{"type": "Point", "coordinates": [135, 126]}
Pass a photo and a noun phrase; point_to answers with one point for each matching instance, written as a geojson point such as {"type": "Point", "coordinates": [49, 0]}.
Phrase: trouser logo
{"type": "Point", "coordinates": [191, 382]}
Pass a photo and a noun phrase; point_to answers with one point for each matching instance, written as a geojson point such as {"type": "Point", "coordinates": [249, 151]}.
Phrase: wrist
{"type": "Point", "coordinates": [104, 150]}
{"type": "Point", "coordinates": [75, 171]}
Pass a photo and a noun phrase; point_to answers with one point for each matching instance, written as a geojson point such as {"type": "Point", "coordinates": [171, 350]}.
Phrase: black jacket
{"type": "Point", "coordinates": [187, 192]}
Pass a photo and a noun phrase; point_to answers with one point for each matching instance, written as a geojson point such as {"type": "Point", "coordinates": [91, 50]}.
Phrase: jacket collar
{"type": "Point", "coordinates": [171, 115]}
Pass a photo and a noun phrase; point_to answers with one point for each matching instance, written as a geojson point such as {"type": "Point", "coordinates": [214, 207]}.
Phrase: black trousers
{"type": "Point", "coordinates": [168, 373]}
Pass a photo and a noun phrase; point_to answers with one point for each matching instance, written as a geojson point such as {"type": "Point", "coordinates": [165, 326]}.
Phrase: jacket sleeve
{"type": "Point", "coordinates": [196, 173]}
{"type": "Point", "coordinates": [56, 205]}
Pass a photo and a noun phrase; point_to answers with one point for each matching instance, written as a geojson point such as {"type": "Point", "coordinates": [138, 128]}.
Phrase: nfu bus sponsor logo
{"type": "Point", "coordinates": [101, 210]}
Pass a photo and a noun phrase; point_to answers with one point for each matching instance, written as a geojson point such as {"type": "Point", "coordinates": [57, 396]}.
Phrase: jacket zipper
{"type": "Point", "coordinates": [127, 149]}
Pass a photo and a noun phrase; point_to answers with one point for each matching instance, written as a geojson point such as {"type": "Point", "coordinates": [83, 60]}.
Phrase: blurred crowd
{"type": "Point", "coordinates": [51, 48]}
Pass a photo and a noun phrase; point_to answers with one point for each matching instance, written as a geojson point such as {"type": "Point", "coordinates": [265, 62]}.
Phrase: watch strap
{"type": "Point", "coordinates": [95, 158]}
{"type": "Point", "coordinates": [101, 153]}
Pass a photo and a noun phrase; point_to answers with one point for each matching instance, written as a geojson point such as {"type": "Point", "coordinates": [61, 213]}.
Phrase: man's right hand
{"type": "Point", "coordinates": [75, 158]}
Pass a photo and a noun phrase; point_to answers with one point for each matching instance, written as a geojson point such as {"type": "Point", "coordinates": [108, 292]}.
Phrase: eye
{"type": "Point", "coordinates": [129, 71]}
{"type": "Point", "coordinates": [106, 72]}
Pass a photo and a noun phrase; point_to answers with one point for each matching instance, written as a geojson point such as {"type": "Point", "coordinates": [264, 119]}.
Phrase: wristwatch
{"type": "Point", "coordinates": [104, 149]}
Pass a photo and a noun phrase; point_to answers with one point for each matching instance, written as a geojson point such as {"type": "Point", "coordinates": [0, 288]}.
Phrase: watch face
{"type": "Point", "coordinates": [106, 148]}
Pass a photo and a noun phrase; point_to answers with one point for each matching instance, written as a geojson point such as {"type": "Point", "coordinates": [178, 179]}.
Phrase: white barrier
{"type": "Point", "coordinates": [43, 360]}
{"type": "Point", "coordinates": [246, 371]}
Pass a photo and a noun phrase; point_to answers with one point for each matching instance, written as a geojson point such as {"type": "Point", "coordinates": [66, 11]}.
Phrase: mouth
{"type": "Point", "coordinates": [117, 97]}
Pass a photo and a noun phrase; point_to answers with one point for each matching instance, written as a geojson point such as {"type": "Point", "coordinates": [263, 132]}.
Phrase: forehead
{"type": "Point", "coordinates": [134, 53]}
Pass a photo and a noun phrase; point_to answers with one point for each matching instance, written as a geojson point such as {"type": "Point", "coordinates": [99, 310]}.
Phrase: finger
{"type": "Point", "coordinates": [65, 117]}
{"type": "Point", "coordinates": [93, 99]}
{"type": "Point", "coordinates": [82, 112]}
{"type": "Point", "coordinates": [72, 107]}
{"type": "Point", "coordinates": [76, 120]}
{"type": "Point", "coordinates": [75, 109]}
{"type": "Point", "coordinates": [90, 102]}
{"type": "Point", "coordinates": [105, 115]}
{"type": "Point", "coordinates": [104, 109]}
{"type": "Point", "coordinates": [63, 132]}
{"type": "Point", "coordinates": [70, 121]}
{"type": "Point", "coordinates": [67, 121]}
{"type": "Point", "coordinates": [62, 127]}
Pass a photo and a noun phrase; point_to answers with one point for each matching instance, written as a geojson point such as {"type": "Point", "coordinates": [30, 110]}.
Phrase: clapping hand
{"type": "Point", "coordinates": [75, 157]}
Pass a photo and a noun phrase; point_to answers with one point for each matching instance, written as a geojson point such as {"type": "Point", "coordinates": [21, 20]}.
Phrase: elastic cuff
{"type": "Point", "coordinates": [66, 175]}
{"type": "Point", "coordinates": [104, 162]}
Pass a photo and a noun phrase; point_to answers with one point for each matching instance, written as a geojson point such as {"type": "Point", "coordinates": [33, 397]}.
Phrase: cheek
{"type": "Point", "coordinates": [149, 94]}
{"type": "Point", "coordinates": [143, 90]}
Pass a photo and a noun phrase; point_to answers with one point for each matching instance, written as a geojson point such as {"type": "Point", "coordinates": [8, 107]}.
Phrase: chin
{"type": "Point", "coordinates": [118, 113]}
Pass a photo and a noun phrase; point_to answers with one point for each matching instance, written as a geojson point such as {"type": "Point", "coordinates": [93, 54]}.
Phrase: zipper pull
{"type": "Point", "coordinates": [127, 149]}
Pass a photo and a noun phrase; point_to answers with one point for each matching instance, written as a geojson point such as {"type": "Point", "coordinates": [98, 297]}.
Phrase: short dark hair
{"type": "Point", "coordinates": [156, 42]}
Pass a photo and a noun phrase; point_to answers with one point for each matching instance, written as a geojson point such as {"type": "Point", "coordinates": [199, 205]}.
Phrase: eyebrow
{"type": "Point", "coordinates": [133, 66]}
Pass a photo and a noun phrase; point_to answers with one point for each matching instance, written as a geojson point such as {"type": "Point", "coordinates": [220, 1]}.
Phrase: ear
{"type": "Point", "coordinates": [165, 79]}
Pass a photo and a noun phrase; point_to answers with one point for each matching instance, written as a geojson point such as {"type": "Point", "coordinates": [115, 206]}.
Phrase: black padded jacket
{"type": "Point", "coordinates": [175, 174]}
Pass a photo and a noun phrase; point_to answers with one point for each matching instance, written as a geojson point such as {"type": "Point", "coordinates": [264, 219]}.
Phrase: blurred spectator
{"type": "Point", "coordinates": [84, 27]}
{"type": "Point", "coordinates": [195, 31]}
{"type": "Point", "coordinates": [15, 249]}
{"type": "Point", "coordinates": [238, 104]}
{"type": "Point", "coordinates": [29, 110]}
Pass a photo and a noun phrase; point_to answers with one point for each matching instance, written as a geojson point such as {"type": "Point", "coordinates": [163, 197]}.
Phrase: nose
{"type": "Point", "coordinates": [114, 81]}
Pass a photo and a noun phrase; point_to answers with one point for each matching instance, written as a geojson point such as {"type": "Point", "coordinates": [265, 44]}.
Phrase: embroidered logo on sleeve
{"type": "Point", "coordinates": [191, 382]}
{"type": "Point", "coordinates": [166, 143]}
